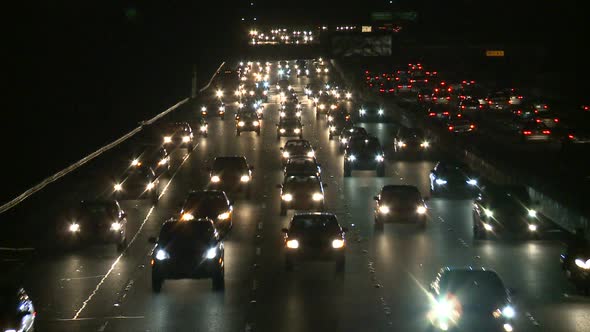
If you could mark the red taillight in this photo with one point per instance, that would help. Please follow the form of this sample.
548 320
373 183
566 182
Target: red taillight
586 108
436 90
556 120
570 136
464 82
448 98
519 112
527 132
399 86
412 81
472 126
519 97
366 71
390 90
442 83
546 132
480 106
426 81
371 84
545 106
434 98
427 73
538 121
445 113
389 78
431 114
462 107
368 78
410 86
489 102
451 128
381 90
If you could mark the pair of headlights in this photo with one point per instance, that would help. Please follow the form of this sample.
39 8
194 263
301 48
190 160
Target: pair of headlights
336 244
162 255
75 227
316 197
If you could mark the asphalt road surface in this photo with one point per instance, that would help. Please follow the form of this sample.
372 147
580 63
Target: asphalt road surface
384 286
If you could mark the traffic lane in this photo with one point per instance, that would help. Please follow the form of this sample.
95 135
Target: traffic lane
207 309
313 296
92 278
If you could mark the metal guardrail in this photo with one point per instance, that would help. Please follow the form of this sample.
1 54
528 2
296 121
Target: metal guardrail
31 191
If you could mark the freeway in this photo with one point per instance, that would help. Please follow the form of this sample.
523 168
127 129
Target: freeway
384 286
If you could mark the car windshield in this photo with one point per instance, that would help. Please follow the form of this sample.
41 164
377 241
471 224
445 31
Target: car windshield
290 122
170 128
413 132
303 182
401 195
205 200
186 233
315 224
248 116
366 145
508 197
371 105
230 164
297 145
474 288
97 210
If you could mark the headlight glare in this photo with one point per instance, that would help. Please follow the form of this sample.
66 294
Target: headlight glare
421 209
245 178
211 253
162 254
317 197
287 197
215 179
116 226
337 243
292 244
74 227
384 209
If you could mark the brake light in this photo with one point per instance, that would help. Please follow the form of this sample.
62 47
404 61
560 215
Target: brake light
391 90
556 120
451 128
480 106
366 71
434 98
519 97
368 78
381 90
425 80
586 108
464 82
545 106
546 132
489 102
431 114
436 90
519 112
570 136
448 98
410 86
462 107
527 132
472 126
389 78
419 96
412 81
538 121
459 115
427 73
445 113
442 83
399 86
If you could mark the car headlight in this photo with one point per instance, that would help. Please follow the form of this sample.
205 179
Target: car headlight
240 105
333 107
488 227
150 186
282 114
74 227
332 129
337 243
282 130
204 109
292 244
317 197
286 154
287 197
379 158
533 227
187 216
135 162
326 70
215 179
330 118
297 130
256 123
348 95
223 216
444 310
380 112
163 161
384 209
265 92
315 100
488 213
583 264
508 327
425 144
221 109
298 114
532 213
508 312
441 182
203 128
281 72
351 158
311 154
118 187
472 182
116 226
167 139
322 106
421 209
401 144
245 178
362 112
162 255
241 123
343 140
318 70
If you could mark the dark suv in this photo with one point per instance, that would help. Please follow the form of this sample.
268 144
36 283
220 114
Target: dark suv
188 250
364 153
231 174
212 204
302 192
400 204
137 183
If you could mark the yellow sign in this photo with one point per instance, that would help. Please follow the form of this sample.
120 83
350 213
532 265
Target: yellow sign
495 53
366 28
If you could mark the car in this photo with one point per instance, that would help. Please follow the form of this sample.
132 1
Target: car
315 236
154 156
400 204
448 177
296 148
470 299
247 121
215 109
212 204
301 193
231 174
504 99
17 312
504 209
290 111
302 71
534 131
387 87
460 124
439 112
283 85
469 105
203 127
364 153
441 95
289 127
325 102
138 182
339 121
577 138
403 85
371 111
411 140
178 134
187 250
302 166
549 119
347 133
424 95
95 221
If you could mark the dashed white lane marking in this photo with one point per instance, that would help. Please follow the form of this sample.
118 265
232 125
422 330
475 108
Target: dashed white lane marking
16 249
532 319
94 318
82 278
260 225
258 251
103 327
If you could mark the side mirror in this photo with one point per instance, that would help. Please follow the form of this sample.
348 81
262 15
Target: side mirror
344 229
280 186
284 230
152 240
